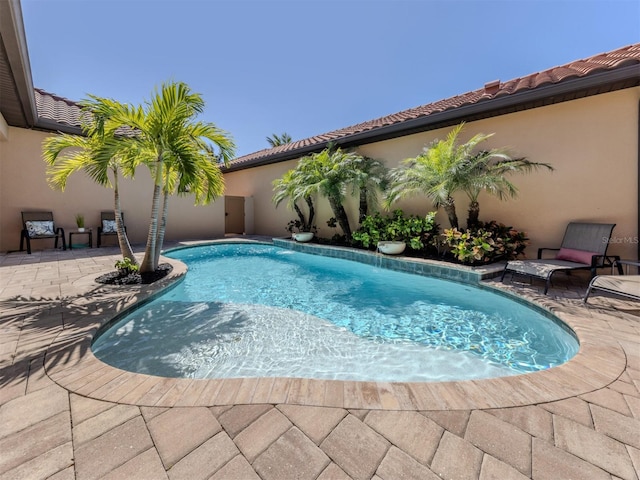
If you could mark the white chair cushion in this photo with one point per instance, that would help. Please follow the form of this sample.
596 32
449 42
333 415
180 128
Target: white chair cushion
40 228
108 226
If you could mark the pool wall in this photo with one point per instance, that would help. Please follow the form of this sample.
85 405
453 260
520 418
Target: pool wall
418 266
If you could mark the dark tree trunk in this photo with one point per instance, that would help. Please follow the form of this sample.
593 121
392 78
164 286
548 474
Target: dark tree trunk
364 206
473 214
341 216
300 215
312 211
450 208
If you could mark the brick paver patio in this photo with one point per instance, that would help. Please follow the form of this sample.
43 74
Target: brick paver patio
65 415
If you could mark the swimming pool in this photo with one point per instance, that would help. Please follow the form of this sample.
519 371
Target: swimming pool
254 310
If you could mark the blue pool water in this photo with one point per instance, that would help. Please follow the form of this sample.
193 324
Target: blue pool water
253 310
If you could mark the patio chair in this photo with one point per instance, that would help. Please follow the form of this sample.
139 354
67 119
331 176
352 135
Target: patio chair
38 226
584 247
107 225
624 285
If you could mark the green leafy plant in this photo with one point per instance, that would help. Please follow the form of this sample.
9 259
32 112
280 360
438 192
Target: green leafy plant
489 242
417 232
80 220
126 266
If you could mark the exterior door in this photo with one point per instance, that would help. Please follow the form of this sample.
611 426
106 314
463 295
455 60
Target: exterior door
233 214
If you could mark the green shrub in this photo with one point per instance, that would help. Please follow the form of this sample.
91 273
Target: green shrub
489 242
418 233
126 266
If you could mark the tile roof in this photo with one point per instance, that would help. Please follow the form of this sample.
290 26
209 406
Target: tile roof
55 109
626 56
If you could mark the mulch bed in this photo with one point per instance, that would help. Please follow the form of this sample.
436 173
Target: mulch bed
119 278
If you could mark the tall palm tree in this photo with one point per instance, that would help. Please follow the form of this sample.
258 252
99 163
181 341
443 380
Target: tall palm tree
289 187
173 144
276 140
438 172
328 173
98 153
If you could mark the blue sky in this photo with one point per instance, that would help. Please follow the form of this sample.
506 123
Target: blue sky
306 67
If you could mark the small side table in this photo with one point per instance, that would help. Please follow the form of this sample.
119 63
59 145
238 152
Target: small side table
76 232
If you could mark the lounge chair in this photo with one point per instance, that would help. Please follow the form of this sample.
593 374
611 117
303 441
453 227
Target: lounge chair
108 225
624 285
584 247
38 226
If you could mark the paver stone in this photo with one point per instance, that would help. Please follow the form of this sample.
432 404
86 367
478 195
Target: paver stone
503 440
205 460
594 447
397 464
456 459
413 433
315 422
178 431
292 456
552 462
355 447
146 466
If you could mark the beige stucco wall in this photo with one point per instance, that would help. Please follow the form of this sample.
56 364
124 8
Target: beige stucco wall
23 186
592 143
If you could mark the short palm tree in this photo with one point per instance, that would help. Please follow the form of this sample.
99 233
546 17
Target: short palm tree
99 152
445 167
370 177
276 140
486 171
288 187
329 173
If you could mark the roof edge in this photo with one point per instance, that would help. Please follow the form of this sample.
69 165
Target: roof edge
455 115
18 56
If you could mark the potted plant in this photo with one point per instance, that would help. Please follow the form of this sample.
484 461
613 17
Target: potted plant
304 233
80 222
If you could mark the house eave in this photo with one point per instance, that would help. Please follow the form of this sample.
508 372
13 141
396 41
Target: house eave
16 56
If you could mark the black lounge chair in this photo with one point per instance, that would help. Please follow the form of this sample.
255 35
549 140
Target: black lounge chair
584 247
108 225
624 285
38 226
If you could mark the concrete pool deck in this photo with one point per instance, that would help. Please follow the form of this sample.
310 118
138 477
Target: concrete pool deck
64 414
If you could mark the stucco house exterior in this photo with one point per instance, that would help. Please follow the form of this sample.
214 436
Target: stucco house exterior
583 118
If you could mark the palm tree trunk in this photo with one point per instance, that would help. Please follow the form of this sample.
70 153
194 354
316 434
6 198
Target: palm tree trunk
364 206
300 216
473 214
312 212
162 228
123 240
148 263
341 215
450 208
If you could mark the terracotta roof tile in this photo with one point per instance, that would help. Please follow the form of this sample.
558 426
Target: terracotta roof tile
57 109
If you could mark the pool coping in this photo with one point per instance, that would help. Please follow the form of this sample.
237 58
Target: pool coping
599 362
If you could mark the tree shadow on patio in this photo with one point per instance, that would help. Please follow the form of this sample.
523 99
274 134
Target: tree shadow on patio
30 325
62 329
